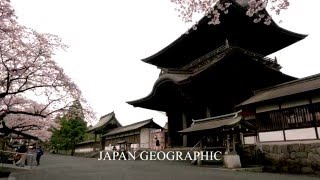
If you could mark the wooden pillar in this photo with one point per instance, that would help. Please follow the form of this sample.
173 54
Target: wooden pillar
228 145
95 141
201 145
102 143
234 143
257 127
208 112
169 131
314 118
257 138
241 138
282 125
184 126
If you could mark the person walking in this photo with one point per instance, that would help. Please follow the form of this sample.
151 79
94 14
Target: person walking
157 144
39 154
22 151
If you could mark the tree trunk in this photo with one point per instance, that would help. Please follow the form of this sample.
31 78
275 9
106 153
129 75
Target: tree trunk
73 148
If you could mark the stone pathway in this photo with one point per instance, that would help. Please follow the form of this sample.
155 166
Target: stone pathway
56 167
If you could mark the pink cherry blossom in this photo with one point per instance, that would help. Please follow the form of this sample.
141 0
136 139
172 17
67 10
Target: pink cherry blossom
33 87
188 8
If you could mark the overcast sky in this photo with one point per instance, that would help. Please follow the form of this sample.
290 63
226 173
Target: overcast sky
108 39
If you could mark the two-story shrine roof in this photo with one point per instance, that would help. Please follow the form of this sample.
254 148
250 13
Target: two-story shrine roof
238 28
217 76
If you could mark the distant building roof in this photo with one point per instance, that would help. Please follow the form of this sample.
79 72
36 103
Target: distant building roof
104 121
224 121
85 142
132 127
298 86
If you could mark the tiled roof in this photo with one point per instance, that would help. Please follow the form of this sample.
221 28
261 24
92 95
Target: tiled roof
298 86
131 127
104 120
224 121
86 142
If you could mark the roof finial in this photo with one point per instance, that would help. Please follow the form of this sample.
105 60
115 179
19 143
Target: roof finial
227 43
276 60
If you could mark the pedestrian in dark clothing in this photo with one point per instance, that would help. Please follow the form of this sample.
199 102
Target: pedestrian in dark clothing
157 144
39 154
22 153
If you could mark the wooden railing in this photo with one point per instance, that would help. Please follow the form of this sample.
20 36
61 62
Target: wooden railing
205 57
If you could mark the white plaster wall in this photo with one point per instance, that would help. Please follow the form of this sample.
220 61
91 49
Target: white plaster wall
83 150
299 134
144 138
250 140
152 142
160 136
293 134
271 136
293 142
108 148
135 146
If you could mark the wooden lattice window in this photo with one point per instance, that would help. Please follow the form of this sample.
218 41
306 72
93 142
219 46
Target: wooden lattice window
289 118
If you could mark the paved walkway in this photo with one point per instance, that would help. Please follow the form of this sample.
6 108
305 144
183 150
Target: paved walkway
56 167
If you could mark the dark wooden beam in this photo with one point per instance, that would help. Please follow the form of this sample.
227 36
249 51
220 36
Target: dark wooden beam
312 107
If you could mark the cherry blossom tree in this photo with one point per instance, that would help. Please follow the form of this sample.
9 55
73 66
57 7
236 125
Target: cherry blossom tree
29 123
33 87
214 8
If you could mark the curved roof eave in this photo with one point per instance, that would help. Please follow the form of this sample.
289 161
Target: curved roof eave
103 121
177 79
273 23
159 82
203 20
